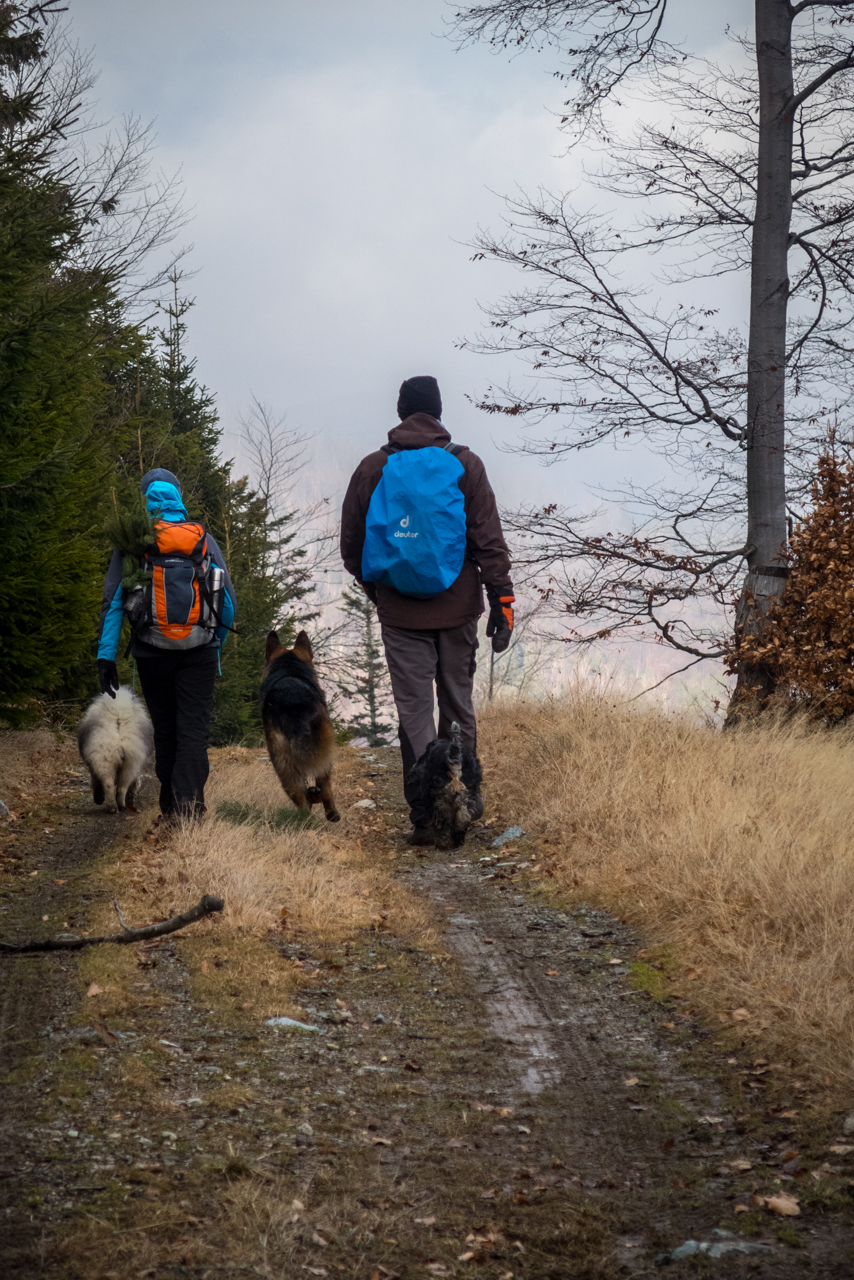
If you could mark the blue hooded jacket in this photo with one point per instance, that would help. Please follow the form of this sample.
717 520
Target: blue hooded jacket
162 494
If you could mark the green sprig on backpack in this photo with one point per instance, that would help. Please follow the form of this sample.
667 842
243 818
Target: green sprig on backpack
135 573
130 530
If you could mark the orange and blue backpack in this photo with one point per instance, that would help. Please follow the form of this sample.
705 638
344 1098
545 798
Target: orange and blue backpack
175 601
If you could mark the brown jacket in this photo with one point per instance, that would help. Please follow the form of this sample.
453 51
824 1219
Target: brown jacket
487 561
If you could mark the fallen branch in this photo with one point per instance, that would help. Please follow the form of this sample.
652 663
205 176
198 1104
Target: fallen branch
207 905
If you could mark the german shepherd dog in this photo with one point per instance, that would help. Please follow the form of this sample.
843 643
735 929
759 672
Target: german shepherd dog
448 778
115 740
299 733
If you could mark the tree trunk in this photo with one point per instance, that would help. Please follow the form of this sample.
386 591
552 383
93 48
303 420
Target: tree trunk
766 358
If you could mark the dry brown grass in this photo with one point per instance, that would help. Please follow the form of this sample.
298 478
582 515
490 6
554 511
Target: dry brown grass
733 851
329 886
316 883
338 1222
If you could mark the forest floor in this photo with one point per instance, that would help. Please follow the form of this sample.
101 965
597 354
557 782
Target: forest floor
505 1100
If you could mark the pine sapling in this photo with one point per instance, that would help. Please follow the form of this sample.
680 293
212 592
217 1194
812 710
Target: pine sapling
131 531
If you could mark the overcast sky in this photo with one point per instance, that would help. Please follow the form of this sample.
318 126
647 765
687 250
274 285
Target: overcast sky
337 158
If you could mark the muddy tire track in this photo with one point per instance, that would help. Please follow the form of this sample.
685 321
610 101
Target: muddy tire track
36 993
572 1041
590 1060
31 986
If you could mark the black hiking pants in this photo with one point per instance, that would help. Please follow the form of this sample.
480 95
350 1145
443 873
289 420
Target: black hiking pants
178 688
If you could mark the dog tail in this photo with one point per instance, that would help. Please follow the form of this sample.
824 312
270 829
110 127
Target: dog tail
455 755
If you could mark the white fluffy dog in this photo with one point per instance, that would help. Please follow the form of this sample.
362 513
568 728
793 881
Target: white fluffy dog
115 739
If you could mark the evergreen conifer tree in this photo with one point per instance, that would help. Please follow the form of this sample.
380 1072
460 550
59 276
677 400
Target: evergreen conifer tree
191 407
53 461
365 679
89 401
169 420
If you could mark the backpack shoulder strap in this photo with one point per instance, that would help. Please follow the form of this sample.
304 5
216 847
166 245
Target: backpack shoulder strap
455 449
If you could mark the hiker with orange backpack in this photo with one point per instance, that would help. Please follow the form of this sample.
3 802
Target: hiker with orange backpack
180 614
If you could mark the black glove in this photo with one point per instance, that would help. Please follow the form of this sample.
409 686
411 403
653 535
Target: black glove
500 624
108 676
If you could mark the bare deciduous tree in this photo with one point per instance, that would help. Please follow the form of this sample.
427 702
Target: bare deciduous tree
126 214
275 453
747 172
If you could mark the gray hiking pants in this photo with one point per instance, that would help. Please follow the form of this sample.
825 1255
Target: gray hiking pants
416 661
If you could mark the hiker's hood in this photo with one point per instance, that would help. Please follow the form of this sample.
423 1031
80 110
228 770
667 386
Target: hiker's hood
419 431
163 493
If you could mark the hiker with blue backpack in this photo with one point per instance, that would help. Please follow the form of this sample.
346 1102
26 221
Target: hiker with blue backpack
420 531
180 603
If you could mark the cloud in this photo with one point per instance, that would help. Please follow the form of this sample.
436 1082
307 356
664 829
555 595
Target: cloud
329 219
337 158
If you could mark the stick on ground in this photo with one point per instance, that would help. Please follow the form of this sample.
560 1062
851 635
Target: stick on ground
204 908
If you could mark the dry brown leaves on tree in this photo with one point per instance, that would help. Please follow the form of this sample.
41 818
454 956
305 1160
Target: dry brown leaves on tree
807 639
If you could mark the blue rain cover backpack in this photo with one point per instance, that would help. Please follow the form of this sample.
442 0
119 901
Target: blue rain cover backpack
415 531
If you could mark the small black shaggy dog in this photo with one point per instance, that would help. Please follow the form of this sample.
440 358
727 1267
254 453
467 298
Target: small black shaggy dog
448 778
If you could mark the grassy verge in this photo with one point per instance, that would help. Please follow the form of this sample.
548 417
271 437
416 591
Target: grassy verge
733 852
281 881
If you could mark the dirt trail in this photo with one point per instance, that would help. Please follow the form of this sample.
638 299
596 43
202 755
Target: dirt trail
573 1038
511 1109
46 849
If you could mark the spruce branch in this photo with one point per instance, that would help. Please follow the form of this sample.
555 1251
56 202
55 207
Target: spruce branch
130 528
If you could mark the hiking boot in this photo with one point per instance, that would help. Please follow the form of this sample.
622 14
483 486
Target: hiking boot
421 837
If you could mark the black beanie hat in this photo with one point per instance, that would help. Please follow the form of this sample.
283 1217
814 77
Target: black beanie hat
419 395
